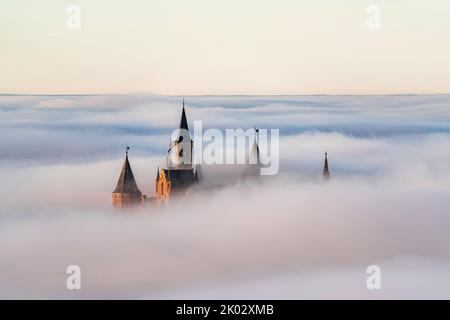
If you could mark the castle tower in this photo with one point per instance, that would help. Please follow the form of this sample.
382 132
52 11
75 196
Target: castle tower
326 172
179 175
180 154
126 194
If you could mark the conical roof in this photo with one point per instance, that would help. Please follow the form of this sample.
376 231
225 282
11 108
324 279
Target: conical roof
326 172
126 183
183 121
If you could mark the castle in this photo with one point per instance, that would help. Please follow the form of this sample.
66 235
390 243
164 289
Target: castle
171 182
178 175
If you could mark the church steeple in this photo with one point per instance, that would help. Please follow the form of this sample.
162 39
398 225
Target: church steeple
183 121
180 152
326 171
254 152
126 193
252 158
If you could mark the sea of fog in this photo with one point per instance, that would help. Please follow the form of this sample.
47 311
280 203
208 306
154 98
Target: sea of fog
286 236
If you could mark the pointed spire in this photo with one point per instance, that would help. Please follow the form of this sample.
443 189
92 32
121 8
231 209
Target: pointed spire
254 152
157 174
326 172
126 182
183 121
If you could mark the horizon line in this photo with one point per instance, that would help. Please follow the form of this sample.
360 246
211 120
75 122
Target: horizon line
223 95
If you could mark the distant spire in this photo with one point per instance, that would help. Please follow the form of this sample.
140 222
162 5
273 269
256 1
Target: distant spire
255 149
183 121
157 174
326 172
252 158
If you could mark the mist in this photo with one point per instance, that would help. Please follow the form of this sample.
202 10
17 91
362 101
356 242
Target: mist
287 236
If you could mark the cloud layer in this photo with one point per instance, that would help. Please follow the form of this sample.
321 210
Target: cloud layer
287 236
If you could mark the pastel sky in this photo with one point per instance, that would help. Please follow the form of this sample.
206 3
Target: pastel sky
225 47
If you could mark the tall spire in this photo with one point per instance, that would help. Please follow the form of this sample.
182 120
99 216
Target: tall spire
183 121
180 152
252 160
326 172
126 182
254 152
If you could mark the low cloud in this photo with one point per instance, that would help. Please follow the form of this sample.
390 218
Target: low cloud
286 236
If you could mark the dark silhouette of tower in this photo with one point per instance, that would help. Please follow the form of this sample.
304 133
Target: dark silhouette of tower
326 171
126 194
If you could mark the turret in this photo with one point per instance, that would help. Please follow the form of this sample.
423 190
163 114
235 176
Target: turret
126 194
